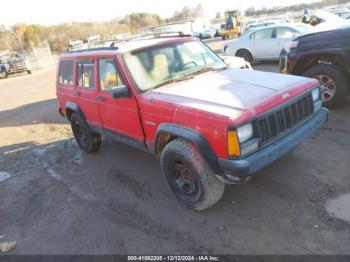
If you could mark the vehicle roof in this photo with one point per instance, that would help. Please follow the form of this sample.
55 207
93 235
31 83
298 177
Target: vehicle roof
274 26
129 46
325 28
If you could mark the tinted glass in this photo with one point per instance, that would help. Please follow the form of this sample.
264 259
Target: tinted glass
152 67
262 34
65 74
284 32
108 73
85 73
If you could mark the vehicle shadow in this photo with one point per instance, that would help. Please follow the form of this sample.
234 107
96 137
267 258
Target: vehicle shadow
118 195
38 112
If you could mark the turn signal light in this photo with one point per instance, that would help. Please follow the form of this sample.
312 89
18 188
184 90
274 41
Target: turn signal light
233 144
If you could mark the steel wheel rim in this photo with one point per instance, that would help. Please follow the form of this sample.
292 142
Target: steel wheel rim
328 87
183 179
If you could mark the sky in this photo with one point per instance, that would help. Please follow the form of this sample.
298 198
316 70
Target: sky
50 12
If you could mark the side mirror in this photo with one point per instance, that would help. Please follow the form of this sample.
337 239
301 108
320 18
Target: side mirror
120 92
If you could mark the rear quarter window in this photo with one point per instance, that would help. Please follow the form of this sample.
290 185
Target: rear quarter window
65 73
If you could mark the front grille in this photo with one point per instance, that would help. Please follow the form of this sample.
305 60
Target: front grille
278 122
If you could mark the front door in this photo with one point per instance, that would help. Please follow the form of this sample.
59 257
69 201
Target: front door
119 116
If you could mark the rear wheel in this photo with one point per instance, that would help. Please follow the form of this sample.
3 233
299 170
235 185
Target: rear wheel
189 176
87 140
334 85
29 72
246 55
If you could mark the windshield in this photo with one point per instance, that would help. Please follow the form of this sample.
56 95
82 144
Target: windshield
153 67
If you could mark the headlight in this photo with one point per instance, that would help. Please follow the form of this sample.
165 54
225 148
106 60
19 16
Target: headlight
245 132
315 94
317 99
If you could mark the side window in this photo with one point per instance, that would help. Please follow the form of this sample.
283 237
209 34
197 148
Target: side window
108 74
262 34
65 73
85 70
284 32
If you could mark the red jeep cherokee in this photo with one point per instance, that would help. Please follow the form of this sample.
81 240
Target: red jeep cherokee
175 98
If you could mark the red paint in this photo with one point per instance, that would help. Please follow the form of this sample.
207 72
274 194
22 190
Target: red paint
209 103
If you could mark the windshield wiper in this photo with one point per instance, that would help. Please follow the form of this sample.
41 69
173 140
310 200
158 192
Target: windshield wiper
206 69
170 81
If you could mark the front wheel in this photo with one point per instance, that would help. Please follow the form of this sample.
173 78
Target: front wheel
334 85
29 72
189 176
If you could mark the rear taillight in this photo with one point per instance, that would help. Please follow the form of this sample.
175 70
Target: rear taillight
291 45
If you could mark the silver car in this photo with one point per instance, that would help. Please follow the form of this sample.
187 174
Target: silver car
263 43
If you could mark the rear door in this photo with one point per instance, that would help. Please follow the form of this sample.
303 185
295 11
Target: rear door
119 116
282 36
86 90
261 43
65 82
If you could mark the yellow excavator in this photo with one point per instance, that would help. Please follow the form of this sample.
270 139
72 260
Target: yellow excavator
232 26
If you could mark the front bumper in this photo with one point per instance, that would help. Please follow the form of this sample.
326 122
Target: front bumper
243 168
17 70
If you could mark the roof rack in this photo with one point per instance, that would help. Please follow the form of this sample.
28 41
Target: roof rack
113 44
164 34
154 35
108 48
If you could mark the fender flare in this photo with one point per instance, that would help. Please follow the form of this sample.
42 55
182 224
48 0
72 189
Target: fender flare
324 52
76 109
194 137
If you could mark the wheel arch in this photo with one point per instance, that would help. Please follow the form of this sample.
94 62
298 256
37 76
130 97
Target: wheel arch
244 49
71 108
168 132
312 59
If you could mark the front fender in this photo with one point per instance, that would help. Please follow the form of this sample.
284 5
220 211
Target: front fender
75 109
195 138
307 56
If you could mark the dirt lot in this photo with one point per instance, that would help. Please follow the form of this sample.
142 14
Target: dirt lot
61 201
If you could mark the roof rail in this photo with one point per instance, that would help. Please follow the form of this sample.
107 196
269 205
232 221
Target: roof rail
154 35
164 34
113 44
109 48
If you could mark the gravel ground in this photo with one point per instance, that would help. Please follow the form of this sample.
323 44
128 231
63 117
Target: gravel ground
57 200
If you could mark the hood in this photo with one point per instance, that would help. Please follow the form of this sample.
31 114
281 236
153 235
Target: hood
232 92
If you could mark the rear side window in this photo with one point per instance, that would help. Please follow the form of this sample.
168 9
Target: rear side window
85 69
262 34
284 32
65 73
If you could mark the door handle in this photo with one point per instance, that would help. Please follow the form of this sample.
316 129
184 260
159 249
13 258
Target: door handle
100 98
76 93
